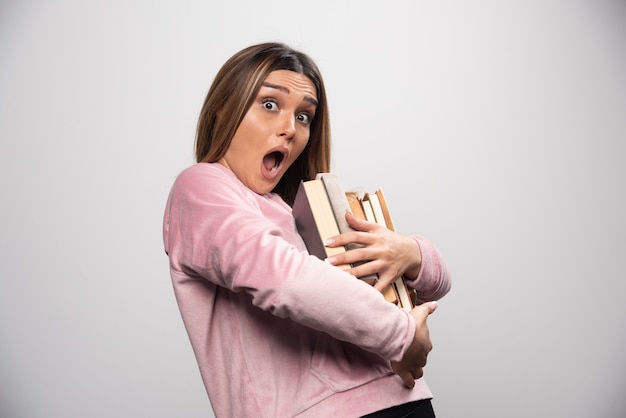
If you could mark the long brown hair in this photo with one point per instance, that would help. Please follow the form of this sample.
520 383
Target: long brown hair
233 92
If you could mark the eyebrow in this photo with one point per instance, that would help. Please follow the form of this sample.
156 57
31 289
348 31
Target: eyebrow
286 90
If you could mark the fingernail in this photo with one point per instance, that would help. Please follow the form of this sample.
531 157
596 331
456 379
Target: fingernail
329 241
331 260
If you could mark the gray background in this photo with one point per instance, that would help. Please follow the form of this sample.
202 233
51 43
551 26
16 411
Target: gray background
496 128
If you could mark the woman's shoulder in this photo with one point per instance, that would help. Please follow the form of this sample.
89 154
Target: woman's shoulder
210 182
213 181
201 174
214 170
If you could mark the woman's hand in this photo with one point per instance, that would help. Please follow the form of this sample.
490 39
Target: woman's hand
412 364
382 251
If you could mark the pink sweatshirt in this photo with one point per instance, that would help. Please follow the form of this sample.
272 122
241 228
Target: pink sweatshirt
277 332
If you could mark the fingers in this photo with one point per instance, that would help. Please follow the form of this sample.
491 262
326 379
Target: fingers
409 377
359 224
384 280
354 237
417 373
411 367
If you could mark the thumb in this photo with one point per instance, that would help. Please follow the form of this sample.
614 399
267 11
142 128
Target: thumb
430 306
421 312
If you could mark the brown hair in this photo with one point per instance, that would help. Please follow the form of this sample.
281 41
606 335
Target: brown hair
233 92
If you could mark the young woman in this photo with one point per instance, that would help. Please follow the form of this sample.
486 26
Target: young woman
276 331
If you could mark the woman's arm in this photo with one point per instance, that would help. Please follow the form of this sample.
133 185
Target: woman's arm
216 231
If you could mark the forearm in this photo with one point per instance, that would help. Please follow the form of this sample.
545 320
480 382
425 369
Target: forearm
433 280
329 300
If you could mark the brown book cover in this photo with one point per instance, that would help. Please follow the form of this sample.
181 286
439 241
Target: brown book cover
385 209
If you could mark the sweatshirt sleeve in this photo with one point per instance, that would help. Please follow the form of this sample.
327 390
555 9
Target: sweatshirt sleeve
214 231
433 281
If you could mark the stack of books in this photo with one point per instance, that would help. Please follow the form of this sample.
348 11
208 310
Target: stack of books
320 212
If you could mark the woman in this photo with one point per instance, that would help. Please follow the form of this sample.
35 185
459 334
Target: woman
277 332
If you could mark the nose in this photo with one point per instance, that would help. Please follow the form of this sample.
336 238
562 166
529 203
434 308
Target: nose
287 126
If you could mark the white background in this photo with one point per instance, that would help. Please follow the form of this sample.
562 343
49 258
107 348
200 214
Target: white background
496 128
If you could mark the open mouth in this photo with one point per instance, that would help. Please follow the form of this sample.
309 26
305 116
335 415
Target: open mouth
272 161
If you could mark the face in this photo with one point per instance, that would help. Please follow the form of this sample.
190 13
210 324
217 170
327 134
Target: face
273 132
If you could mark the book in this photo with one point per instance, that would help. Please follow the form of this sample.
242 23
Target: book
363 210
340 205
381 216
319 210
315 219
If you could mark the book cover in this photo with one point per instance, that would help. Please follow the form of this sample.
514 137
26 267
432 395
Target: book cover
315 219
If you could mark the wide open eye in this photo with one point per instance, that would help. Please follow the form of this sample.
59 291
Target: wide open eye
270 104
304 118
